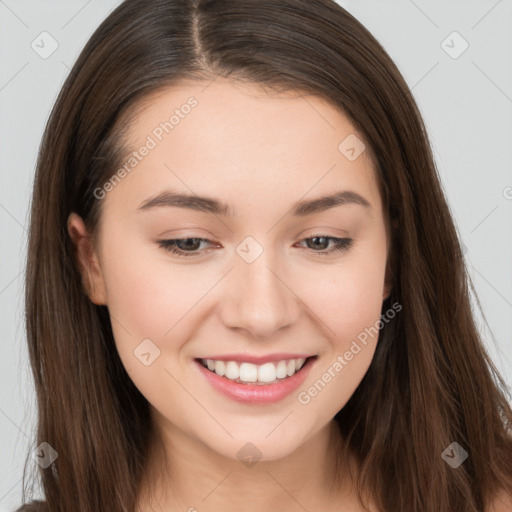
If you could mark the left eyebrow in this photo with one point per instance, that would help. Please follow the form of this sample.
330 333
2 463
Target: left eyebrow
303 208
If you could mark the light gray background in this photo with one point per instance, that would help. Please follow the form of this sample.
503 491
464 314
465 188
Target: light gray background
466 103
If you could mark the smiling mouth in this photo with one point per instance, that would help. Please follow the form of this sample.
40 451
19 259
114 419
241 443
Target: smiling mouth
248 373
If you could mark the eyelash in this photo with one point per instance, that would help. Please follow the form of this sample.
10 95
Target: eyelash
340 244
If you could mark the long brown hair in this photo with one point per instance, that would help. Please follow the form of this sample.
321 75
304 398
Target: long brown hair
431 381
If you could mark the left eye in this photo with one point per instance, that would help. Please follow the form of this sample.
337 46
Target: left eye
188 247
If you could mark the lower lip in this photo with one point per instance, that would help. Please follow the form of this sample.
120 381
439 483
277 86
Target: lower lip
254 393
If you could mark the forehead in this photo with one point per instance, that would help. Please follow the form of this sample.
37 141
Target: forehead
226 138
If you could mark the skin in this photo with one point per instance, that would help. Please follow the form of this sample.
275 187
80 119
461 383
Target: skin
260 152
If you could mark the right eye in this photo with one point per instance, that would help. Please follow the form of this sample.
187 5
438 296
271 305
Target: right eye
175 245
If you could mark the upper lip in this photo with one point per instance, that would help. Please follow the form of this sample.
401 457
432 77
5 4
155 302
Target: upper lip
258 360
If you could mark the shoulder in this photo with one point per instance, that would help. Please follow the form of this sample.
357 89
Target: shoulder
502 503
33 506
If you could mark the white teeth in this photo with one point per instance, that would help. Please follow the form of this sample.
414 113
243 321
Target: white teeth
248 372
281 370
232 370
267 372
220 367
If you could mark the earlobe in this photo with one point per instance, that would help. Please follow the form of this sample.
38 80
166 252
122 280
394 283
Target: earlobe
87 260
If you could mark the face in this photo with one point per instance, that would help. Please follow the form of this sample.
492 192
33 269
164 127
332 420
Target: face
274 276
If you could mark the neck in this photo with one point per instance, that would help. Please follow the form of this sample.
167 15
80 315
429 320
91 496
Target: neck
184 473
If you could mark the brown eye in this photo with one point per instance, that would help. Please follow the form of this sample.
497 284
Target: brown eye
321 242
182 246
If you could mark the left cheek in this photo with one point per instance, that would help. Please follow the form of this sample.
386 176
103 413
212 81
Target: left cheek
347 300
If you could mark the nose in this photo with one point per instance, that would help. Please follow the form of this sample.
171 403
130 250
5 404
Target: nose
258 299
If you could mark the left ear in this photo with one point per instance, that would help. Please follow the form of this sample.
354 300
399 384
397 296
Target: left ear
388 281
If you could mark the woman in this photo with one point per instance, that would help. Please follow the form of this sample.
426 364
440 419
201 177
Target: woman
314 347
